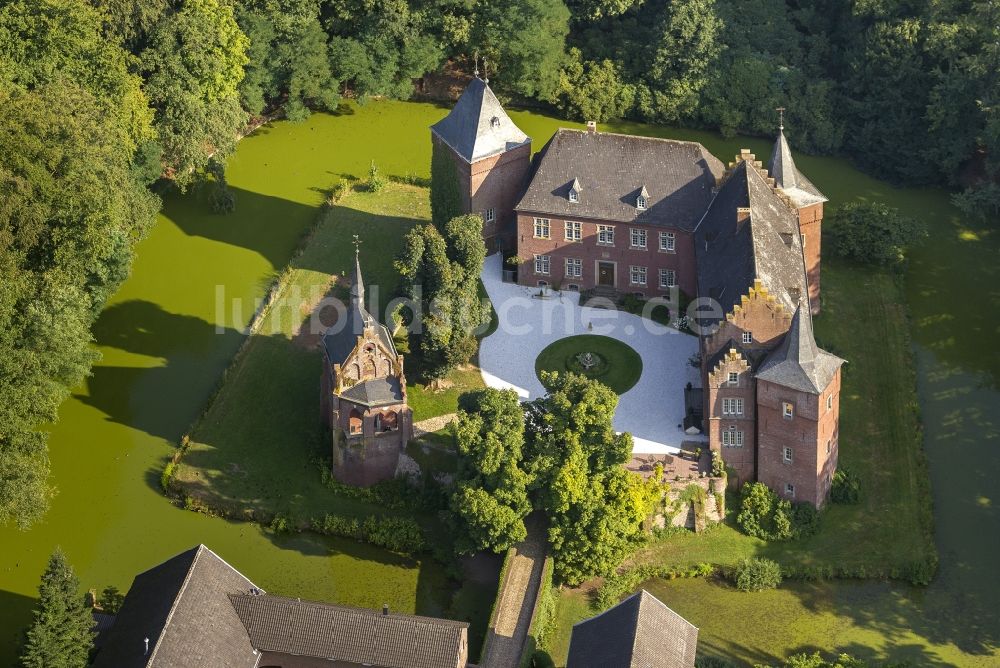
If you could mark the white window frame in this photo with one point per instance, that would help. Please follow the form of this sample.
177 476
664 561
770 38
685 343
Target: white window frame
732 437
640 203
668 279
573 231
732 381
637 275
543 228
732 406
543 265
490 215
747 337
789 490
788 410
574 267
637 237
786 454
606 235
574 196
668 242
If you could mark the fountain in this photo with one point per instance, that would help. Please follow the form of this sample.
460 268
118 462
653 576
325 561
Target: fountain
587 360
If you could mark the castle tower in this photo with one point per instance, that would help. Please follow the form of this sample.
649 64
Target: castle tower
363 393
798 412
479 151
808 202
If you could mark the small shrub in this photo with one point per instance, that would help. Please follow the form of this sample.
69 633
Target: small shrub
167 476
398 534
281 524
846 487
805 520
757 574
718 466
111 600
763 515
376 182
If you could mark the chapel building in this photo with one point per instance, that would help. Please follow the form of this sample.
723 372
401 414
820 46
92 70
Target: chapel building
363 394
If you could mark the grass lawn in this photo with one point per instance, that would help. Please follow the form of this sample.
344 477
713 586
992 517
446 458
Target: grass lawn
879 440
615 363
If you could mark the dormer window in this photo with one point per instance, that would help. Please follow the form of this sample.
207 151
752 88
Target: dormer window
574 191
642 199
494 122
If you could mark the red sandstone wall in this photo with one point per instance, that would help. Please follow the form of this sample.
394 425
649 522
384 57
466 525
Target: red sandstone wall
741 459
810 226
682 260
807 434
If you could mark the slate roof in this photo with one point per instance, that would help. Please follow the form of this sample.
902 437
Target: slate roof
355 635
798 362
477 126
787 176
183 607
613 170
768 246
340 339
375 392
639 632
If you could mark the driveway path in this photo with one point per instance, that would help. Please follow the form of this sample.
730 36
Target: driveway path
505 641
652 410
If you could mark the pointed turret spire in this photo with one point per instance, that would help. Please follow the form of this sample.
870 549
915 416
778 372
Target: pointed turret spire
477 126
786 175
357 282
798 362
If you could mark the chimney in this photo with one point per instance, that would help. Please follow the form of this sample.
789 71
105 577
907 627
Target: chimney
591 126
385 609
742 215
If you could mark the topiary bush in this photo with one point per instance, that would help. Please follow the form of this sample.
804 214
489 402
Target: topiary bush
375 182
757 574
846 487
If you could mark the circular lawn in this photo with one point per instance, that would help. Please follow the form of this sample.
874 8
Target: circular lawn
599 357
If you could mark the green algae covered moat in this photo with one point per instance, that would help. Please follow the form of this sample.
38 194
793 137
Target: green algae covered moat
164 347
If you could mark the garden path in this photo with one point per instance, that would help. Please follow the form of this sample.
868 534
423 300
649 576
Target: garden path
652 410
432 424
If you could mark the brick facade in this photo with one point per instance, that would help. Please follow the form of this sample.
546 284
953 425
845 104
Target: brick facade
618 257
739 422
810 436
811 228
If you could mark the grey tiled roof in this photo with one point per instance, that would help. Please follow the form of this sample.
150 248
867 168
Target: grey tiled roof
353 635
340 339
787 176
639 632
182 606
798 362
375 392
613 169
477 126
768 246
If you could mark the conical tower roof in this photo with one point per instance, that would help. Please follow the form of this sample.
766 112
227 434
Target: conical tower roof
798 362
788 178
477 126
340 339
357 282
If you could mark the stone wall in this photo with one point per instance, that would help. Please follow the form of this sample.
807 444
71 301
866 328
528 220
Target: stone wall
811 227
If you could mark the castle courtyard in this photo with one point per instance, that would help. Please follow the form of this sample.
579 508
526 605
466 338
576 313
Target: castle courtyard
652 410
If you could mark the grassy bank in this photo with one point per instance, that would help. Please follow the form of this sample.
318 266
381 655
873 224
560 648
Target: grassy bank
890 531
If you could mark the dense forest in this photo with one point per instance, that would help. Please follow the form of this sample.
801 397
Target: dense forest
103 102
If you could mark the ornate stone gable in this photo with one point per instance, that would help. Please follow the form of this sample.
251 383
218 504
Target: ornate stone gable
759 313
370 359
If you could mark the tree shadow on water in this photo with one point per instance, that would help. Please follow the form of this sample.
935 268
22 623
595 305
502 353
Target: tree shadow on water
160 400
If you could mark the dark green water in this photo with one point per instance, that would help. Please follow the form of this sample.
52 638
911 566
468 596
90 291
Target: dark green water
162 357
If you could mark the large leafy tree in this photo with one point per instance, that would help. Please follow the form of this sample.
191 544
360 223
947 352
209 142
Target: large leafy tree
61 635
443 273
288 57
491 498
193 67
595 507
524 44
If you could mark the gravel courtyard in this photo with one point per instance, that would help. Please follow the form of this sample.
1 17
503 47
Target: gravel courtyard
652 410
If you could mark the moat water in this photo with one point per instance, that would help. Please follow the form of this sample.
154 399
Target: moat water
162 357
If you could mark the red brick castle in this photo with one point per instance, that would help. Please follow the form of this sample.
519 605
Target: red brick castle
649 217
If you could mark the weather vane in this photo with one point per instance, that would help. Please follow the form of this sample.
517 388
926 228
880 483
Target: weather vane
781 117
475 59
357 244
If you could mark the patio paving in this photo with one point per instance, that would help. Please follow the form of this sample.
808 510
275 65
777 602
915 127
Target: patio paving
653 410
